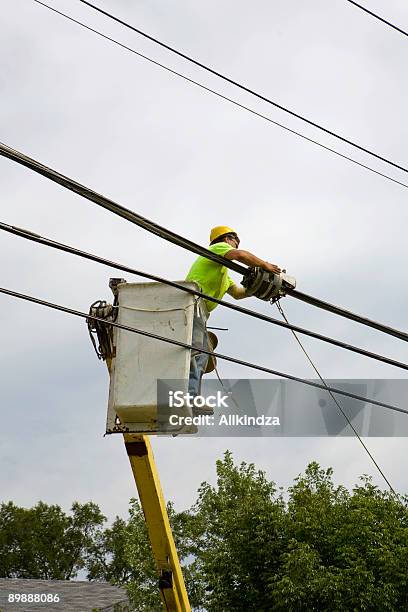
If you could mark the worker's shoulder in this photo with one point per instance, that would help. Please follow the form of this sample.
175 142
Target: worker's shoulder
220 248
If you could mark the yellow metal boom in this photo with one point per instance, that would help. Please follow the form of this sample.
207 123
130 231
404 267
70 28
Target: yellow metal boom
171 581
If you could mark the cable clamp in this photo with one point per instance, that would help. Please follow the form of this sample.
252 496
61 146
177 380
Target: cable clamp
267 285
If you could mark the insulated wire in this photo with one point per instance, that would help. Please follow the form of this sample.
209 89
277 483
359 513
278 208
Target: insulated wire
174 238
185 345
279 307
347 314
115 208
28 235
240 85
363 8
222 96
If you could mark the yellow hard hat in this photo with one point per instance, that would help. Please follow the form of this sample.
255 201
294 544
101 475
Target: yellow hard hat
220 230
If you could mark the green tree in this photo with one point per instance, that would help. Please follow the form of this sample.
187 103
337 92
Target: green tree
237 530
347 551
244 546
122 555
106 559
43 542
143 589
325 548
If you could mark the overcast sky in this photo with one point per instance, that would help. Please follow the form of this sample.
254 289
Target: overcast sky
189 161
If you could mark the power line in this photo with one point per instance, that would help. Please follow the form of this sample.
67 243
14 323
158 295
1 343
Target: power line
342 411
347 314
115 208
363 8
185 345
222 96
28 235
241 86
174 238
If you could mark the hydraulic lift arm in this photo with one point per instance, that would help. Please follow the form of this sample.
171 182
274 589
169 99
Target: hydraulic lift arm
171 582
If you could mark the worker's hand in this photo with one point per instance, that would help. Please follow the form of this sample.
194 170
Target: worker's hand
272 268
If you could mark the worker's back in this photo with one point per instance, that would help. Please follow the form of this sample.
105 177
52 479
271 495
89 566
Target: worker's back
211 277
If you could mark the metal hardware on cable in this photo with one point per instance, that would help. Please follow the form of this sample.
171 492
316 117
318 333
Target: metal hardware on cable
266 285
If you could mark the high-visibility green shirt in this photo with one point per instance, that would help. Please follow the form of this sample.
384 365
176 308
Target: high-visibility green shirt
211 277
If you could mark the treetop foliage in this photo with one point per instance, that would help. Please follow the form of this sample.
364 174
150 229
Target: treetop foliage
244 545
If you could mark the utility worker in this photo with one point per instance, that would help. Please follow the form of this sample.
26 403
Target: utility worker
213 279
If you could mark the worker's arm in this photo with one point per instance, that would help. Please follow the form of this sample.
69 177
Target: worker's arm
251 260
237 292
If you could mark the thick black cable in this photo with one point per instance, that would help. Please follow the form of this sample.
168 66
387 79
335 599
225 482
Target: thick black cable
241 86
174 238
185 345
28 235
339 406
115 208
223 97
363 8
347 314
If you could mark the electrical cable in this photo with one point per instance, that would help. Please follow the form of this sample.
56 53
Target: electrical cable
240 85
115 208
342 411
223 97
28 235
347 314
363 8
185 345
174 238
